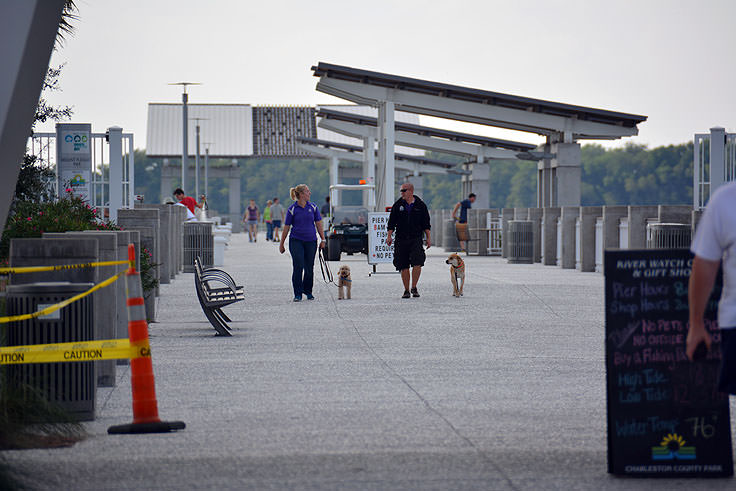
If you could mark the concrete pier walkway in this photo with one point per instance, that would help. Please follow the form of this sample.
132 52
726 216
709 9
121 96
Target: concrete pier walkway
502 389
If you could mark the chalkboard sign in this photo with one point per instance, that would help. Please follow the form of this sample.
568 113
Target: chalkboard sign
665 415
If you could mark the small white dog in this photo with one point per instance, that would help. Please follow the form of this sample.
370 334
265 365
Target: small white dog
344 281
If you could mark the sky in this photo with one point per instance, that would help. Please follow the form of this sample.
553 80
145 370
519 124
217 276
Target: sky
669 60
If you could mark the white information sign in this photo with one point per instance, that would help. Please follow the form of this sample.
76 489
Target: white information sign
378 251
74 159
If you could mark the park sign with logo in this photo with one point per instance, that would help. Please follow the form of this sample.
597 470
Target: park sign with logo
74 158
666 417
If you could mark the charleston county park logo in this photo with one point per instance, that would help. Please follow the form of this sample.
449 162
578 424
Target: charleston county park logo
673 447
79 141
77 181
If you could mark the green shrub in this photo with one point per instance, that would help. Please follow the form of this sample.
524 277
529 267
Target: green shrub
69 213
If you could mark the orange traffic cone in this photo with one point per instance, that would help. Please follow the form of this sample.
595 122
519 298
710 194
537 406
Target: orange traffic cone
145 407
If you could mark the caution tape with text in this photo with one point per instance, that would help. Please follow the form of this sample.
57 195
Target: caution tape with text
57 306
62 267
108 349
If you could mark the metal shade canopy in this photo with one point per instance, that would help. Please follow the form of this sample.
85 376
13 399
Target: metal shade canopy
474 105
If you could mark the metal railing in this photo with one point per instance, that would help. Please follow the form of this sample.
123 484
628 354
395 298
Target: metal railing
43 146
714 163
495 235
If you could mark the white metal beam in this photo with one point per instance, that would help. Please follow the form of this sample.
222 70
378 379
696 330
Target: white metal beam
329 153
490 115
386 192
418 141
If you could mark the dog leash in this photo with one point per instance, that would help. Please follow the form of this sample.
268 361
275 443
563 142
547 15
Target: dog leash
324 268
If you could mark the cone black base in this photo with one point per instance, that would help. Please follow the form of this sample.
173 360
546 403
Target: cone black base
157 427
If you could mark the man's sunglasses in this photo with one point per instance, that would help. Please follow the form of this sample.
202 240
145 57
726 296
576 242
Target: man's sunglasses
403 190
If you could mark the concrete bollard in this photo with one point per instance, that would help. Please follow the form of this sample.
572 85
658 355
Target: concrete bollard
507 214
611 216
696 216
137 219
105 301
550 215
146 241
449 236
568 215
180 216
125 237
219 250
587 217
483 230
638 216
535 216
48 252
674 213
166 247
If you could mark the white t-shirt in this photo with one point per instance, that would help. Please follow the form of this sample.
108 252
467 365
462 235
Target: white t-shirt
714 240
191 217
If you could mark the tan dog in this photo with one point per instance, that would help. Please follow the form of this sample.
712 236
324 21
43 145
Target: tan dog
457 274
344 281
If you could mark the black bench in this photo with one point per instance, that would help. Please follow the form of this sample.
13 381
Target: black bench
213 299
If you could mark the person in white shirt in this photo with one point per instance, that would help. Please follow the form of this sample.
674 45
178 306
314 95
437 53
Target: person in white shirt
715 243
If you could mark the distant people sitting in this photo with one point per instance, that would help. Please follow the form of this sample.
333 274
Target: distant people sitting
189 203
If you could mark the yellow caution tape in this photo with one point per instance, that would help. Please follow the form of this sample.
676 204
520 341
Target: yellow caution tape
37 269
108 349
62 304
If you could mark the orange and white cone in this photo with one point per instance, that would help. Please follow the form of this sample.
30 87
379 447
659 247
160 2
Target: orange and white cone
145 407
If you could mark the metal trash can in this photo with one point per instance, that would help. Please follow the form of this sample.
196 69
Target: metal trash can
449 236
69 385
521 242
668 236
198 241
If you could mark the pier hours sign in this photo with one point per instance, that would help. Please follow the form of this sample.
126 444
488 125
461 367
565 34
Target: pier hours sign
666 417
378 251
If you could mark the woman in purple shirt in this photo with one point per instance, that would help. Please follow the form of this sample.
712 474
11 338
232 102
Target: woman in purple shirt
304 222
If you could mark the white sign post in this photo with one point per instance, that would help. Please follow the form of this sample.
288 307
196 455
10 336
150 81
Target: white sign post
378 251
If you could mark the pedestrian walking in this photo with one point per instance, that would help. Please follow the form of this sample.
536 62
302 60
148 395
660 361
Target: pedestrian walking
267 220
409 217
251 221
303 223
715 243
277 217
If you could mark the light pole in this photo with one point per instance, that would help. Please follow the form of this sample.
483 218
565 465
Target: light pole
185 132
196 159
206 163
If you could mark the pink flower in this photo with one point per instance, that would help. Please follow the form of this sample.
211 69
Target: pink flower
68 190
29 219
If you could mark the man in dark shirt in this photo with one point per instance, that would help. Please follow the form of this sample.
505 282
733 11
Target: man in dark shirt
410 219
325 210
464 206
